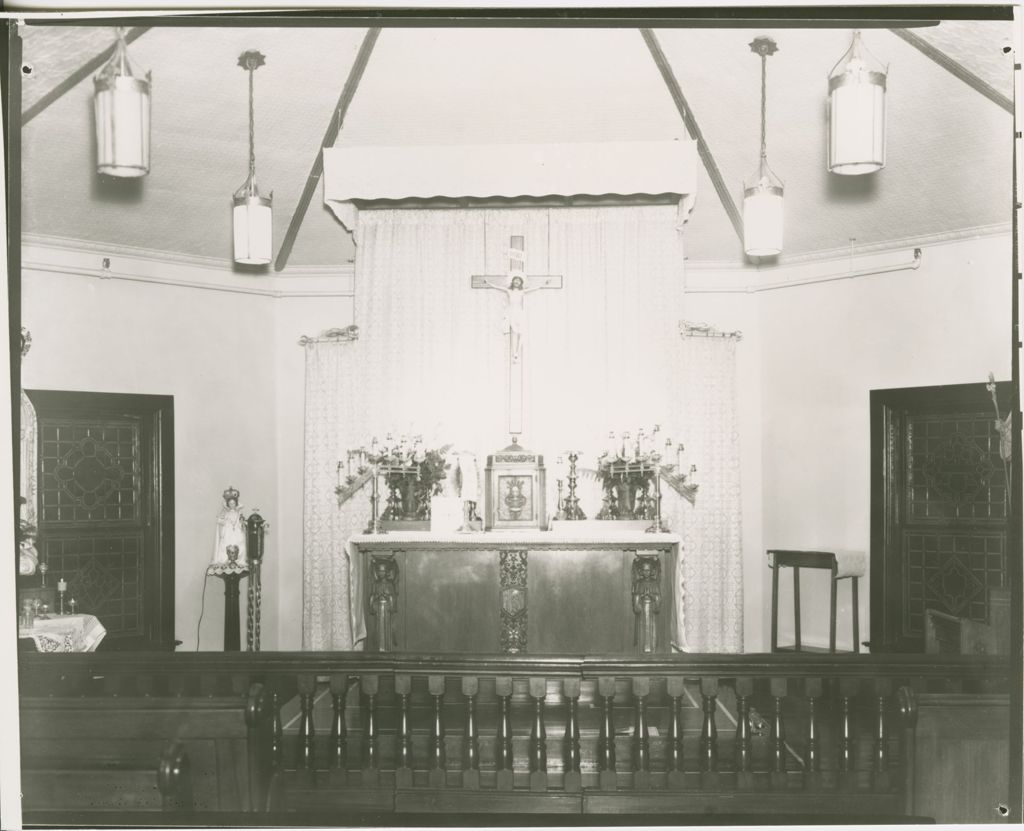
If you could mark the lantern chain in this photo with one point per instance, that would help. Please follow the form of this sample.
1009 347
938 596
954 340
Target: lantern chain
764 104
252 124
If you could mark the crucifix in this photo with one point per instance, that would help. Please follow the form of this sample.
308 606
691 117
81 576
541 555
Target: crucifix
516 286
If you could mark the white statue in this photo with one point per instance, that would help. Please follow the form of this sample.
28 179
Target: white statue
230 530
514 321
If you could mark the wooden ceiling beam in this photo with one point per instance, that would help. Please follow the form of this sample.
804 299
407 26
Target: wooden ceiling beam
79 75
355 75
693 128
955 68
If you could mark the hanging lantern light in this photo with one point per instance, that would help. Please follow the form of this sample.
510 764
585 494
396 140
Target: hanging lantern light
762 193
121 105
252 215
856 124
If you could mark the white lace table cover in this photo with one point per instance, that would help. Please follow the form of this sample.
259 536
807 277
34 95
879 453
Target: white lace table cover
482 540
848 563
65 633
216 569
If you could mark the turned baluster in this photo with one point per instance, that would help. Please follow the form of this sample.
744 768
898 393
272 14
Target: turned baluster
743 750
848 688
607 778
779 689
503 750
538 737
674 751
403 763
276 731
881 780
709 734
641 738
337 751
907 702
307 689
435 683
812 754
371 772
471 769
572 781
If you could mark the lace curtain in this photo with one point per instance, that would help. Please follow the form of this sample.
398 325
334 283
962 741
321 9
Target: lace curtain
602 353
709 601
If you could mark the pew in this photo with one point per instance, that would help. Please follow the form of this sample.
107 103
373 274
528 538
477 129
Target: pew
105 749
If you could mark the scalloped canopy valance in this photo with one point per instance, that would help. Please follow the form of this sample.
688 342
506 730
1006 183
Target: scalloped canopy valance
508 171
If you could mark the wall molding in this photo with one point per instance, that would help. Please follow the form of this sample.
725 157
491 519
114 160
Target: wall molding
722 279
80 258
838 254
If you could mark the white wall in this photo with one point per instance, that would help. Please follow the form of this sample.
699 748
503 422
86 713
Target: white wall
824 348
214 352
808 359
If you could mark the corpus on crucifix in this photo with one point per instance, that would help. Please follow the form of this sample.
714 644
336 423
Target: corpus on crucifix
516 285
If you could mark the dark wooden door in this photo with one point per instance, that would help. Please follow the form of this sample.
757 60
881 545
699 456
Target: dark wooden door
106 516
939 508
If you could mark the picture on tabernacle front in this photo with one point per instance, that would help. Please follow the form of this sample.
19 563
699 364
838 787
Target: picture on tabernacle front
515 500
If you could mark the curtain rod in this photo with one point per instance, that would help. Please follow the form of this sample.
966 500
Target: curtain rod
346 335
689 329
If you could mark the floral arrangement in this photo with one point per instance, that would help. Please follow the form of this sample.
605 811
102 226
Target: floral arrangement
411 474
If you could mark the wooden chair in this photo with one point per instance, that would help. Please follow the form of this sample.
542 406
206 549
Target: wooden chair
782 558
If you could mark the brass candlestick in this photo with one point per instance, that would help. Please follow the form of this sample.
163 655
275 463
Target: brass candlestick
571 509
375 527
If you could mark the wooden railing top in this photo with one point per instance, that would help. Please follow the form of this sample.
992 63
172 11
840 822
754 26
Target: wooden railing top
789 665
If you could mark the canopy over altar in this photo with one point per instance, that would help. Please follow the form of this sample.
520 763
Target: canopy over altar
623 168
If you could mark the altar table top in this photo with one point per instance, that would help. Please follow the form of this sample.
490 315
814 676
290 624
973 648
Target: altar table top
586 538
65 633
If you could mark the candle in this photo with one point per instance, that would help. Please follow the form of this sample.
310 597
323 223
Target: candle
62 585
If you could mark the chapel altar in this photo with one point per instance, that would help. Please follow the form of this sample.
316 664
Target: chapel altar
513 592
600 348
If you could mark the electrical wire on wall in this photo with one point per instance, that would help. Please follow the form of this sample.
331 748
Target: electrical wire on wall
202 607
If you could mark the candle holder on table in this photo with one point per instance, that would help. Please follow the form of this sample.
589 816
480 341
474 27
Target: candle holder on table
571 508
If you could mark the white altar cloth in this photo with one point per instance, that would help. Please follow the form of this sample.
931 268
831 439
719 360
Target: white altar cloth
613 538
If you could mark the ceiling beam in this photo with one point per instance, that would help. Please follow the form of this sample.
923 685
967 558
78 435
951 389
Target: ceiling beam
954 67
355 75
693 128
79 75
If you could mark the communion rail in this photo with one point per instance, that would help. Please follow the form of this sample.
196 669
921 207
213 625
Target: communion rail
363 735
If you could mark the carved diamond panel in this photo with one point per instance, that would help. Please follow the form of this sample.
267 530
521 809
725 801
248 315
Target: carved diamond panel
88 472
950 572
954 470
105 576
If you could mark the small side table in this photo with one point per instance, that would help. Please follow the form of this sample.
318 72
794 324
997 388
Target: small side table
231 574
851 568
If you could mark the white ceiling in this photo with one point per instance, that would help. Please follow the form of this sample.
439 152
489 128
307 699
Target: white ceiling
949 148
